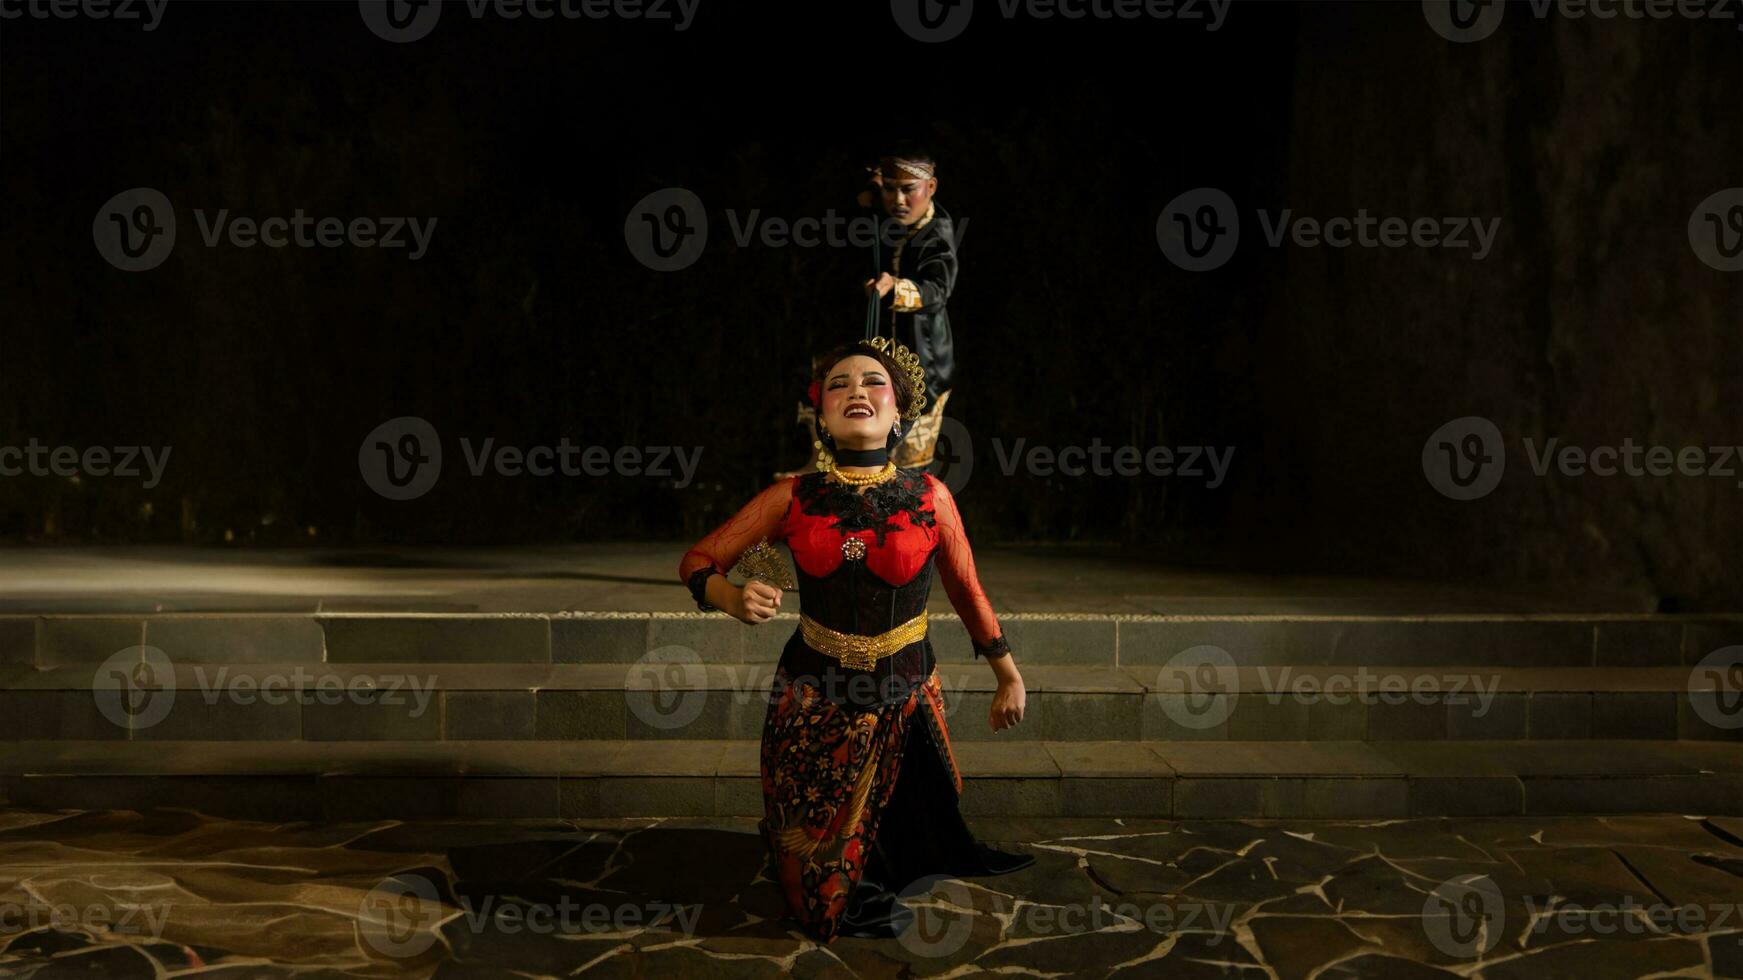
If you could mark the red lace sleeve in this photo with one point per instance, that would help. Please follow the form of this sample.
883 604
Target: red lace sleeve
961 583
719 551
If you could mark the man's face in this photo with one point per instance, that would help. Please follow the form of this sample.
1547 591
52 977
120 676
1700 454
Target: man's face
906 196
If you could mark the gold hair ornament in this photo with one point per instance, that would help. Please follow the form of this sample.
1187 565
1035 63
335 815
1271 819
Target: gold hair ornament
909 362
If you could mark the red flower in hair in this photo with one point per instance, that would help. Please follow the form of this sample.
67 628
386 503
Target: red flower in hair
815 393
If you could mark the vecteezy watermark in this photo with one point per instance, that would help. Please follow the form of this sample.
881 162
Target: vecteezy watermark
148 13
830 231
401 459
1465 21
404 21
1195 685
954 455
71 462
136 229
943 916
668 688
1103 459
306 232
1463 916
1199 229
1716 229
1199 688
120 918
403 915
1630 917
944 908
1465 458
933 21
136 687
1716 688
667 230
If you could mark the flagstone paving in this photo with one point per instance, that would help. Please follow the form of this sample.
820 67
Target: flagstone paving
124 894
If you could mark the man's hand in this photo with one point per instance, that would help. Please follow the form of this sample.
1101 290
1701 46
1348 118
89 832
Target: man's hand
883 284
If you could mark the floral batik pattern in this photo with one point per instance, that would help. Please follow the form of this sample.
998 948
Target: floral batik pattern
827 775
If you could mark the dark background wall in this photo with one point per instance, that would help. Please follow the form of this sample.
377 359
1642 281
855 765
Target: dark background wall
528 320
1592 142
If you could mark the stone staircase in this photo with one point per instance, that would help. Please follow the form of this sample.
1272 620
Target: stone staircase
349 715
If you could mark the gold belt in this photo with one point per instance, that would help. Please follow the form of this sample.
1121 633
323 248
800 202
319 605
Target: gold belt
856 651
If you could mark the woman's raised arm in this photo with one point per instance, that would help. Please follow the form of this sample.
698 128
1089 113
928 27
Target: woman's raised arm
719 550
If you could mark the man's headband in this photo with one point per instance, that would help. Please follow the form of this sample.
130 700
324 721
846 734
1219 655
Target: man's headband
897 167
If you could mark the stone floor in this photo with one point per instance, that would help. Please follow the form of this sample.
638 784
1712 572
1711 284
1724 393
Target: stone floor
643 577
120 894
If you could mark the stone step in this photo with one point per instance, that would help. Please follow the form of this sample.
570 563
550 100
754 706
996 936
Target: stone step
593 778
1552 640
686 699
710 701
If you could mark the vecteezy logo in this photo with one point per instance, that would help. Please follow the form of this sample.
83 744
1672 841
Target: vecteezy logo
1208 678
1463 21
1465 458
667 230
1716 230
666 688
135 230
1463 916
943 916
401 458
135 687
399 916
400 21
1716 688
1199 229
954 453
932 21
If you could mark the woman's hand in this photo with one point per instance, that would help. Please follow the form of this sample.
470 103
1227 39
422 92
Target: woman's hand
881 285
1008 702
757 602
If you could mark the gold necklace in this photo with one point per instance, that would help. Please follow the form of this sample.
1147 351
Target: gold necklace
865 479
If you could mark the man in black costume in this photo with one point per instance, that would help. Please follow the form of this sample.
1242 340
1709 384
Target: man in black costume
917 274
915 255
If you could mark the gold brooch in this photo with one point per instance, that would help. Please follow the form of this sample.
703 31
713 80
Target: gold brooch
853 549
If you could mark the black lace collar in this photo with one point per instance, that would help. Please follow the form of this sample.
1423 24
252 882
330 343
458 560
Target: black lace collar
872 510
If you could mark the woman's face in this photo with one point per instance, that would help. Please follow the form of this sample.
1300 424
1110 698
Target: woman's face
859 403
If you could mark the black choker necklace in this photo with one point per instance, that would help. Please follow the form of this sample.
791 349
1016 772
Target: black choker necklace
861 457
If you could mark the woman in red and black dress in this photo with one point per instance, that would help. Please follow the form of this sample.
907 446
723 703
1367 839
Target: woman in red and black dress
860 786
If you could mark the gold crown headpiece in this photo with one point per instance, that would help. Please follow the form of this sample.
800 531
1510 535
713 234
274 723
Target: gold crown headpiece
909 362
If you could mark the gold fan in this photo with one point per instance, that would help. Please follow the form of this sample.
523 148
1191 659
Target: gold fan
763 561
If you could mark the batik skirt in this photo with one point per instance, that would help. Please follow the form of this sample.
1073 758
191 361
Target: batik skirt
858 805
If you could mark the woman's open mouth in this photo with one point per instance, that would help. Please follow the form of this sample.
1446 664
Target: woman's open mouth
858 412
